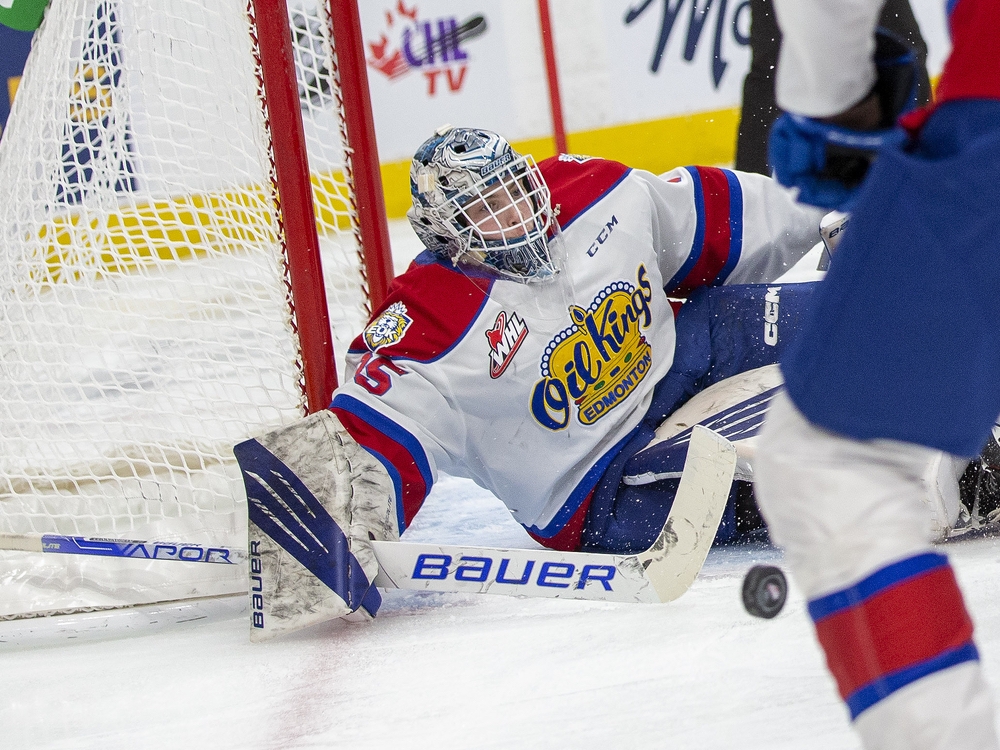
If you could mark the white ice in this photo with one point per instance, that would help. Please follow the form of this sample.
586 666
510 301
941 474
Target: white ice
449 671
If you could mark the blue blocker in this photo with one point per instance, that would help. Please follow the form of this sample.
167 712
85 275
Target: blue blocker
721 332
903 341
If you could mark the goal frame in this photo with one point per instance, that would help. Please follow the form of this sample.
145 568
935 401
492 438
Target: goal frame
261 212
279 93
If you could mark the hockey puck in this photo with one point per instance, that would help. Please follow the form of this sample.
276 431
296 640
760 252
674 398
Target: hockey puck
764 591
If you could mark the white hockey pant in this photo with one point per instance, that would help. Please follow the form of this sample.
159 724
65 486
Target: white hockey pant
853 515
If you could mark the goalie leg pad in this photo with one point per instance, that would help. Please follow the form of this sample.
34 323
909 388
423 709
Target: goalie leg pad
315 500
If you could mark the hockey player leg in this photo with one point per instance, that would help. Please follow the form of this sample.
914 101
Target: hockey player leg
316 499
853 519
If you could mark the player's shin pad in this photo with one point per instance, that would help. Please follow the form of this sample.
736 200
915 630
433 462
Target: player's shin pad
315 500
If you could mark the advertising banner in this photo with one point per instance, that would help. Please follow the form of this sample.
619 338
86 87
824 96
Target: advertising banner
433 62
14 47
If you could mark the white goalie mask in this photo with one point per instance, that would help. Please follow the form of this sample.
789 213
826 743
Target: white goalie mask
477 202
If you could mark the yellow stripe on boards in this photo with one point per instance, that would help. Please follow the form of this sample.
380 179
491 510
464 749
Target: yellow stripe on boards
77 244
707 138
658 146
82 244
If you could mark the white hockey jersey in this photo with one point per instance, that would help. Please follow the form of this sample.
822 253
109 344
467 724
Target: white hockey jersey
531 389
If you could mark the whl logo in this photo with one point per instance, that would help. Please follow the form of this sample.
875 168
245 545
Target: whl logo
505 339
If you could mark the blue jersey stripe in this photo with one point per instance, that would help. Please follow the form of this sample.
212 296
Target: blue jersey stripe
735 227
391 430
596 200
867 696
698 244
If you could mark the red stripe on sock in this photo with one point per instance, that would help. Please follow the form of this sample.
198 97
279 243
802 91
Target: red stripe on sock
899 627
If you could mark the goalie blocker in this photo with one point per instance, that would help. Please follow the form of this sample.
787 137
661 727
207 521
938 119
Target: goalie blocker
322 534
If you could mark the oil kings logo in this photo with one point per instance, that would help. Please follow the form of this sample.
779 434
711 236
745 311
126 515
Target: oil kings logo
599 360
388 328
505 339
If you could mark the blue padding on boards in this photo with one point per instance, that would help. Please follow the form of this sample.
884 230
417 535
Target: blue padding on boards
284 509
904 339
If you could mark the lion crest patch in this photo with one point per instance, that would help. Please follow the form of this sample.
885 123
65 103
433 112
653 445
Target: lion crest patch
388 328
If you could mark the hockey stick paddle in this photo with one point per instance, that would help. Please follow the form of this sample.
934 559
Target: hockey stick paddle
660 574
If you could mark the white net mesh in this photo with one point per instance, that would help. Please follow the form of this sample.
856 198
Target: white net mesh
144 320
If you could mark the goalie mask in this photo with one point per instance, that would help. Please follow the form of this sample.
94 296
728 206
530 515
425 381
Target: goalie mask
478 202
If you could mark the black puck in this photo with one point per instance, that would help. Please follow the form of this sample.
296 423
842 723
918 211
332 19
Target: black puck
764 591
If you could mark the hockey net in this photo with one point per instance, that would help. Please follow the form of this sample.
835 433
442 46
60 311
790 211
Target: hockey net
146 316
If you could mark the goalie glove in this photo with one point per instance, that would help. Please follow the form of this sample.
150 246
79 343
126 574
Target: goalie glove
826 162
315 501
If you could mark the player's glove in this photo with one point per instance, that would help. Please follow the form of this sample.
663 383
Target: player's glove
826 162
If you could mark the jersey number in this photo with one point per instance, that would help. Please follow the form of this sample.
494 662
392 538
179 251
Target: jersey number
372 375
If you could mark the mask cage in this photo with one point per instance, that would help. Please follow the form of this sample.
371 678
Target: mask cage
502 221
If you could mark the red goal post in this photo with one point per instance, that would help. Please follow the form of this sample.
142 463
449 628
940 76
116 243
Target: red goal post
191 230
292 176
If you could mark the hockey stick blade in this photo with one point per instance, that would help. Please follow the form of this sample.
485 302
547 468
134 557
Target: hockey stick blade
128 548
660 574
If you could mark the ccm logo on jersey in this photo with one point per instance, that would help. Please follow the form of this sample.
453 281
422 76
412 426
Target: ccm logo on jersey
555 575
771 316
603 236
505 339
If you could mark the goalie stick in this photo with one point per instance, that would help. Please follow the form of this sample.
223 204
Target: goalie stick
659 574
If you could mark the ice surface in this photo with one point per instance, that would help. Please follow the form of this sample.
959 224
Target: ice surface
449 671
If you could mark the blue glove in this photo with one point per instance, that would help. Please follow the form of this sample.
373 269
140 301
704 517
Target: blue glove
827 163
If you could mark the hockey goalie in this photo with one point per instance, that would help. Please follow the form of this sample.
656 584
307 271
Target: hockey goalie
542 346
567 324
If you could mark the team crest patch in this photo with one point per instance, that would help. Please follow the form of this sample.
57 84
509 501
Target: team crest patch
505 339
598 361
388 328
